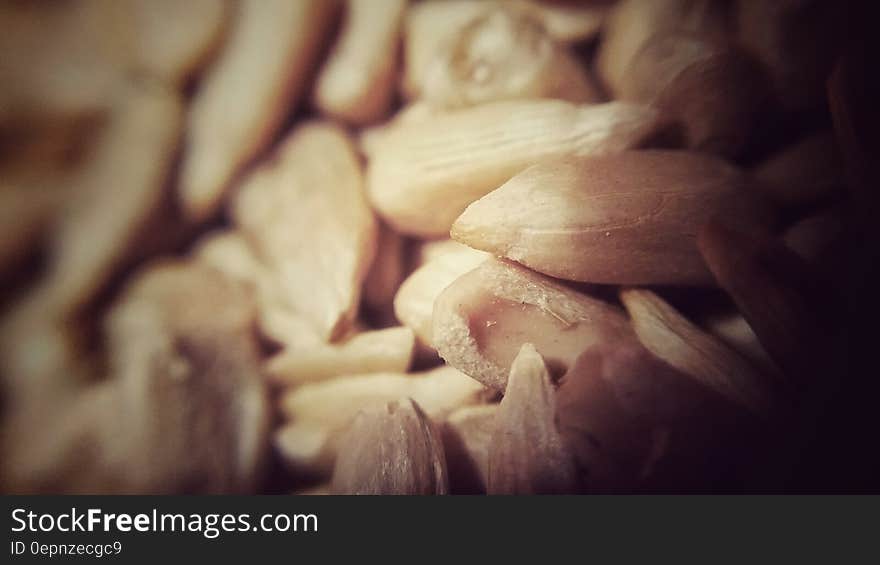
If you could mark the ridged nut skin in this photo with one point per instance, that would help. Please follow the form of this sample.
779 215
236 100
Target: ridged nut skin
629 218
483 318
395 450
422 174
527 454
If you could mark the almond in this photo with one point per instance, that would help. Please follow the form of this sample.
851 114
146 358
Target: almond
305 212
504 54
246 94
482 319
422 175
526 453
388 350
357 81
393 450
672 338
629 218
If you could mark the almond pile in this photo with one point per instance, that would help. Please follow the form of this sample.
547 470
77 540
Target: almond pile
412 247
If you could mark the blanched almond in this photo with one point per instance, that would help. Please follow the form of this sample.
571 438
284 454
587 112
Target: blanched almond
254 83
422 175
632 22
504 54
414 302
629 218
713 89
467 434
673 339
393 450
526 453
306 449
357 82
305 212
377 351
482 319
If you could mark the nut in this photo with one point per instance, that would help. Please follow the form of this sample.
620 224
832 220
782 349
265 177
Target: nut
357 81
467 434
421 175
393 450
482 319
629 218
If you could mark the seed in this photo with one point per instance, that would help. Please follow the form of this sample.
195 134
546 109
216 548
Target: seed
673 339
527 454
504 54
414 302
357 81
629 218
467 434
388 350
422 175
482 319
305 212
393 450
246 94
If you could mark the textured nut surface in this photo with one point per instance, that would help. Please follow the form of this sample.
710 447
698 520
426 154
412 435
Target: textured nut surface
241 102
527 454
421 175
393 450
629 218
482 319
306 212
356 83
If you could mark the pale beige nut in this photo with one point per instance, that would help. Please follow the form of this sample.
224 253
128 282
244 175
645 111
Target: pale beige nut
804 173
629 218
61 60
247 92
483 318
229 252
378 351
797 41
172 40
414 302
369 137
674 339
194 410
430 26
305 212
527 454
320 412
713 89
422 175
357 83
467 434
116 208
632 22
504 54
393 450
